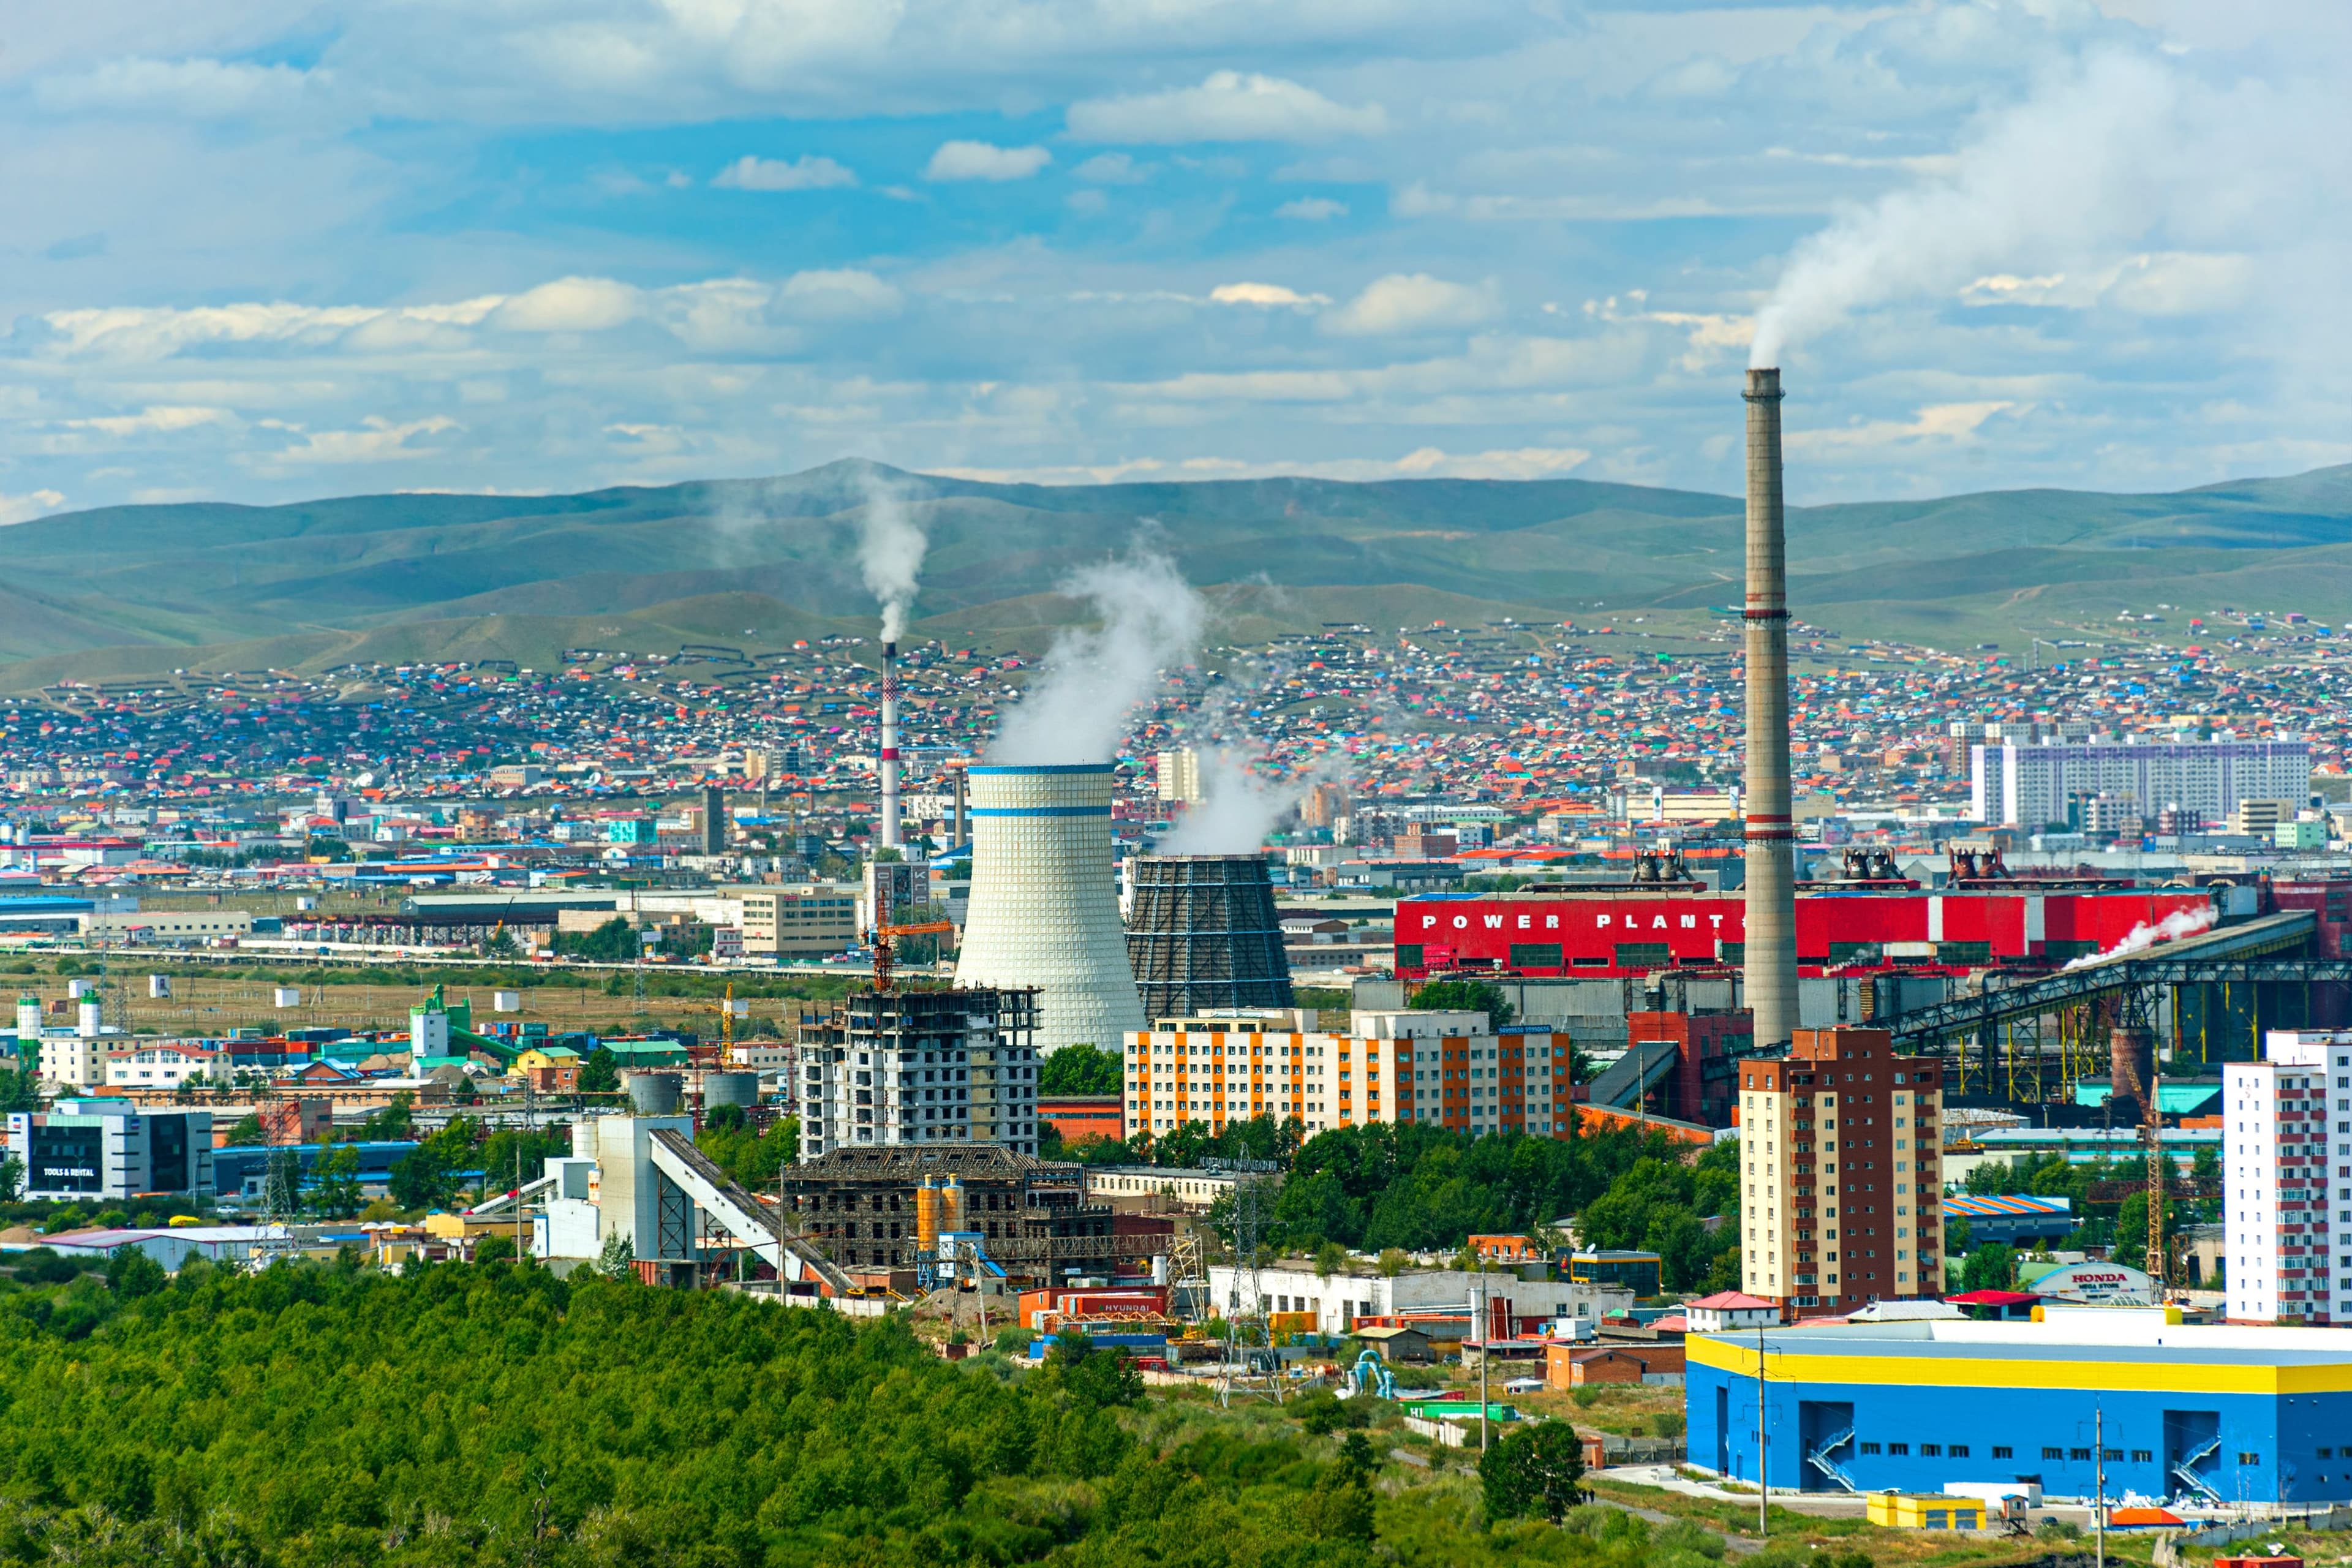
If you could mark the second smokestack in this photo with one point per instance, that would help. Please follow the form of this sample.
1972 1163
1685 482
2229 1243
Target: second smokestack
1769 954
889 836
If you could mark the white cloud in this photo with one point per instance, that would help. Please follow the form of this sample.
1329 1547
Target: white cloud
1941 422
1422 463
1414 302
377 440
845 294
26 508
1268 294
1227 107
193 88
985 161
571 305
1312 209
154 418
807 172
1113 169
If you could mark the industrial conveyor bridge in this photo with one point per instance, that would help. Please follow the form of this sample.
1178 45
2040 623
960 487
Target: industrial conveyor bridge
692 1183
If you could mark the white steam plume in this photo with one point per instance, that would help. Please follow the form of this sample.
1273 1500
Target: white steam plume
1076 709
1238 807
2119 154
2143 936
890 546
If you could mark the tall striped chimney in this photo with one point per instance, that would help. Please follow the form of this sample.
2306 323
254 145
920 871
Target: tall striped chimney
1770 950
889 834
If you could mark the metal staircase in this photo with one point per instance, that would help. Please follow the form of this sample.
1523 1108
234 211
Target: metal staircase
1819 1458
2185 1470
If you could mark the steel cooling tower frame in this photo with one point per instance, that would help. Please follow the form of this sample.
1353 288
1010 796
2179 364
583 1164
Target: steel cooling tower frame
1202 935
1044 900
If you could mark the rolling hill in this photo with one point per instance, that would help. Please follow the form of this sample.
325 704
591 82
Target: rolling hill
123 591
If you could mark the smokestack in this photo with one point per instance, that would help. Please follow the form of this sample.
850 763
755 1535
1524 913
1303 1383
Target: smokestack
1770 953
890 834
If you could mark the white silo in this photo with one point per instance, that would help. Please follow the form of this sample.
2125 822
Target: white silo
90 1020
1044 900
28 1021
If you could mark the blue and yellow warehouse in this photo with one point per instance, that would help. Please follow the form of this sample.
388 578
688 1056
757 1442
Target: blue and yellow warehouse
2218 1414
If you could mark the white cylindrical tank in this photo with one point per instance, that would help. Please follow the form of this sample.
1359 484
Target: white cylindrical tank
77 989
90 1021
28 1019
1044 900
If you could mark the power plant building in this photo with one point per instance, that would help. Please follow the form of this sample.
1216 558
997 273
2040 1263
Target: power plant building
2032 785
891 1067
1044 900
1203 936
2226 1415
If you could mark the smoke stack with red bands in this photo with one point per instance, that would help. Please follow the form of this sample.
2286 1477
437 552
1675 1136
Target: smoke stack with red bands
888 833
1769 955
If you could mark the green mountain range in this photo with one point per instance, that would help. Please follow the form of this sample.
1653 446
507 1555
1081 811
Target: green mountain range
126 591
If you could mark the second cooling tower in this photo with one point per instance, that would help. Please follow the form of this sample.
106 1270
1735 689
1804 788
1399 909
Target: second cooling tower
1044 900
1204 936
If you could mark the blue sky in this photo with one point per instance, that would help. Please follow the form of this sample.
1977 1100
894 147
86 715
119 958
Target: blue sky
263 250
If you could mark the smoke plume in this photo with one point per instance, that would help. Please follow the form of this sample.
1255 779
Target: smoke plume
1075 711
1238 807
890 545
2143 936
2060 199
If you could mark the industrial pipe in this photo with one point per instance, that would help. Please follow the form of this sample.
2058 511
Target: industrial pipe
1769 958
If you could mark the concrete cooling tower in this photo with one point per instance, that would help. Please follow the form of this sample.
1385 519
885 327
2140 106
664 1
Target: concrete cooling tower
1044 901
1203 936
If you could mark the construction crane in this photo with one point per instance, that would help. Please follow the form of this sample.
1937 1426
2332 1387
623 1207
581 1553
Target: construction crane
883 954
2152 1138
728 1010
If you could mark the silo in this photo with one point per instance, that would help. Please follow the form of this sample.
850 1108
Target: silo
654 1093
927 1216
1203 935
1044 900
28 1020
88 1020
730 1089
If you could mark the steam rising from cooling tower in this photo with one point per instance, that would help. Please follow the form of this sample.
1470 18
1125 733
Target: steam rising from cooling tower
1238 807
1770 956
1076 709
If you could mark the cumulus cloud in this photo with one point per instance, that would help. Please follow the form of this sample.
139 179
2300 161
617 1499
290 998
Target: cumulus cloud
377 440
985 161
153 419
841 294
1414 302
571 305
1113 169
1266 294
1228 107
1942 422
26 508
807 172
1312 209
193 88
1422 463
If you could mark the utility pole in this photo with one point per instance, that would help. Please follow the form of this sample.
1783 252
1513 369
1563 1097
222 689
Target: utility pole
1763 1482
1485 1354
2099 1503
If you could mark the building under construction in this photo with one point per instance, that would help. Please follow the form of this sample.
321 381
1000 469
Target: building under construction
887 1068
1203 936
879 1211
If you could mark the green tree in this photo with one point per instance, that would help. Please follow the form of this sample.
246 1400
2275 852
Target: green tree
600 1074
337 1177
20 1089
1957 1235
1534 1471
614 941
497 1246
245 1131
131 1273
1081 1070
616 1259
1992 1267
12 1180
1464 996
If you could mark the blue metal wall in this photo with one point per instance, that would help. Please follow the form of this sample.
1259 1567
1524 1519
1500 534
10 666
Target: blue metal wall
2288 1448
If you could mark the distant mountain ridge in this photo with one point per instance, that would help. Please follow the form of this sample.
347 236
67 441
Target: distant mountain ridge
123 589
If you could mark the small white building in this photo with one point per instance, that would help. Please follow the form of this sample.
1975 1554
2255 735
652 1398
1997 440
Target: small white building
1339 1299
163 1064
1727 1312
2276 1152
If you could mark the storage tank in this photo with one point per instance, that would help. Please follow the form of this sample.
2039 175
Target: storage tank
88 1022
1044 900
927 1216
655 1093
730 1089
1203 935
952 1205
28 1019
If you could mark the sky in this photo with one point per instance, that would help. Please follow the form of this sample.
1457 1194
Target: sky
261 250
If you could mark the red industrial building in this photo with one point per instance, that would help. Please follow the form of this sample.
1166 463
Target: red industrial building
1584 934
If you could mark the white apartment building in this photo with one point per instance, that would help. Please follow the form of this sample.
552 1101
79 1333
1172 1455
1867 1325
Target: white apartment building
921 1067
76 1060
2029 785
1178 774
163 1065
1452 1068
2282 1115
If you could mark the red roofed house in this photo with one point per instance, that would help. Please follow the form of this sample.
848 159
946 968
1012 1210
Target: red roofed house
1728 1311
